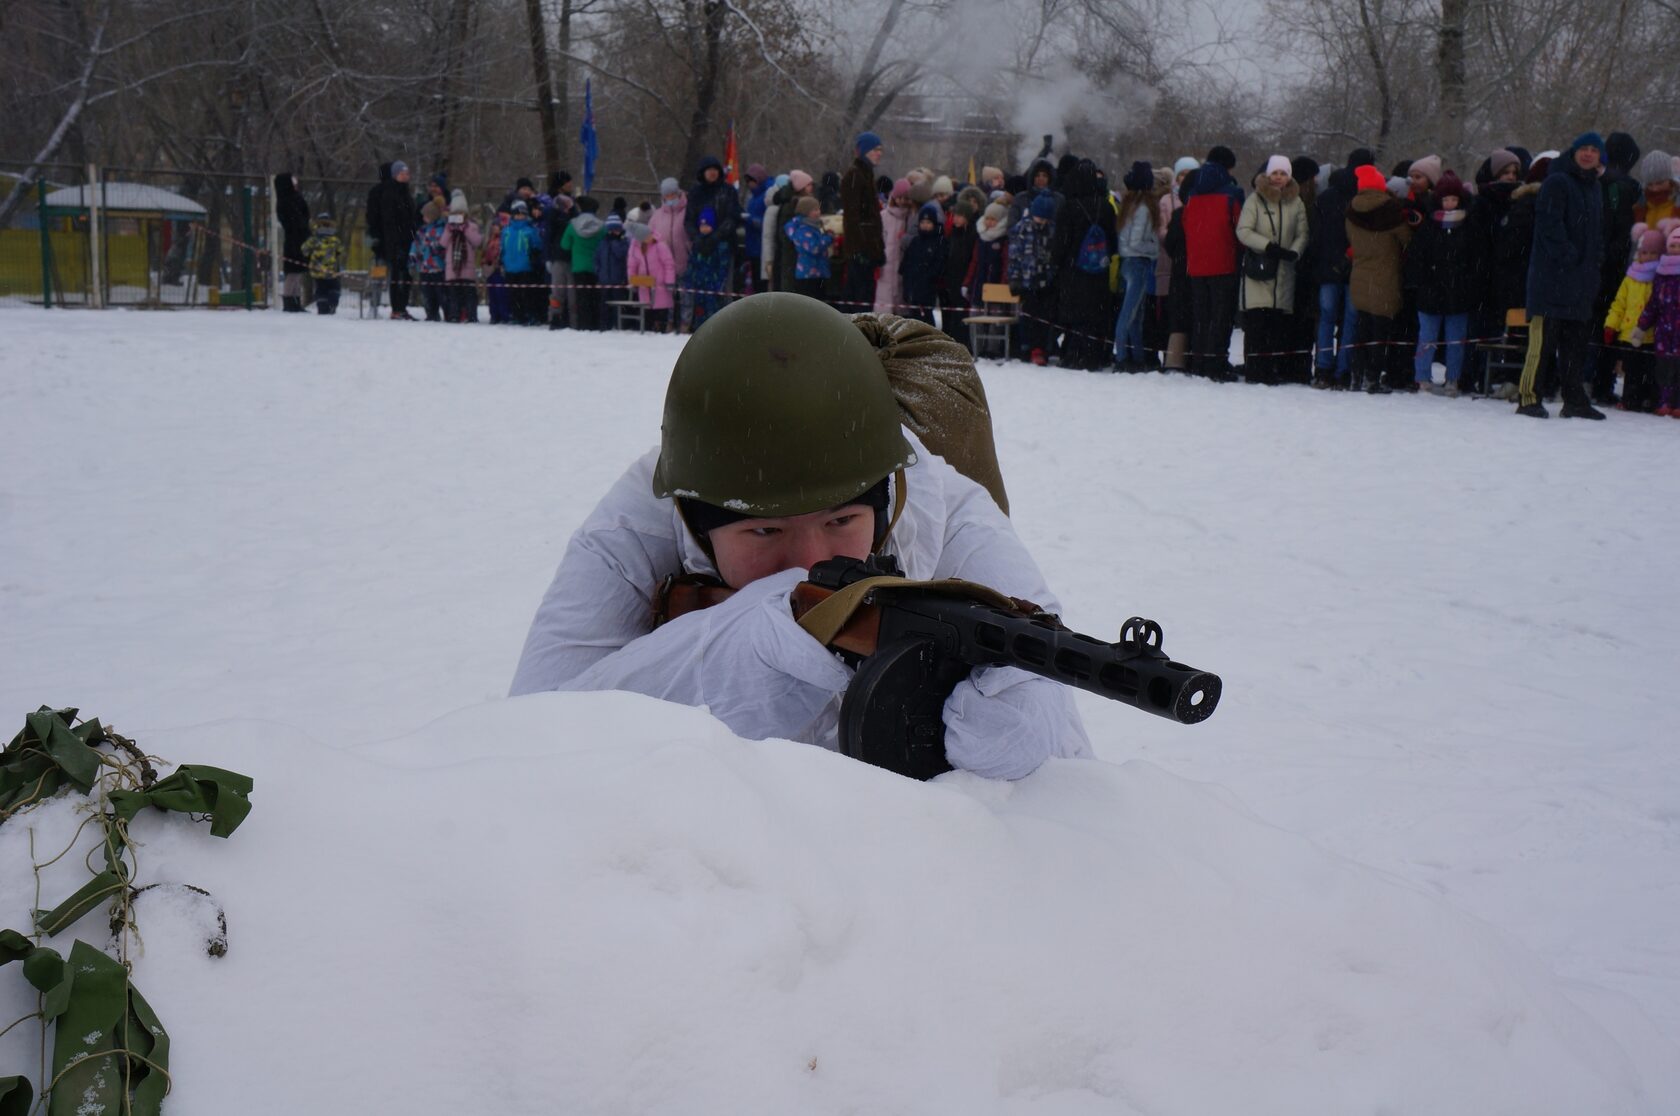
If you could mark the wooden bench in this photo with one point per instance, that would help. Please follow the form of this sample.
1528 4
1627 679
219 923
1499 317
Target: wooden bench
625 309
1000 311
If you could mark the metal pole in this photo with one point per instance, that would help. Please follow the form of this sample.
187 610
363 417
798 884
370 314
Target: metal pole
250 260
276 243
96 238
46 243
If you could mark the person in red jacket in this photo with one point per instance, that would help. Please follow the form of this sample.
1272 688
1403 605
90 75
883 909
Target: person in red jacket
1211 257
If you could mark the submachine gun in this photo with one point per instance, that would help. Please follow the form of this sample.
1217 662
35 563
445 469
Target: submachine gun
911 642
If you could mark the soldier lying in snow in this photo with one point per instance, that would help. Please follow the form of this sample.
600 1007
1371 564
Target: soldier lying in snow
783 445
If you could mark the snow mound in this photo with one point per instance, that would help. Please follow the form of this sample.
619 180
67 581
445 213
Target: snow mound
604 903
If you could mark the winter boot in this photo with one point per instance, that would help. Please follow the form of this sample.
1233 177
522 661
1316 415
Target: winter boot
291 304
1582 410
1377 387
1534 410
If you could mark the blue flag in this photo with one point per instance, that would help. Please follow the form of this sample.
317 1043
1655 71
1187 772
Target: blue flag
591 147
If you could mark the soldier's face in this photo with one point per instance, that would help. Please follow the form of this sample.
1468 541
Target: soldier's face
749 549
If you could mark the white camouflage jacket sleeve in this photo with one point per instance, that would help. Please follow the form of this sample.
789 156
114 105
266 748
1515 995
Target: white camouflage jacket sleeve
750 663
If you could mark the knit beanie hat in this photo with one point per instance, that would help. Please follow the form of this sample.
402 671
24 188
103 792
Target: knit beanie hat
1399 187
799 180
942 185
1043 205
901 189
1656 166
441 182
990 174
398 167
638 231
1280 163
708 216
1224 156
1539 169
1140 177
1499 160
524 184
1185 163
1620 150
458 202
520 206
1361 157
867 142
1671 247
1451 187
1647 239
1588 139
1429 166
757 173
668 186
1368 177
808 207
931 211
1304 168
614 221
997 212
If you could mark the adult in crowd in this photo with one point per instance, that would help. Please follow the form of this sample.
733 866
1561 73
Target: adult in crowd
712 191
1332 266
861 225
1377 232
1657 201
391 221
1504 213
1081 244
293 214
1296 367
1210 243
1272 227
1139 243
1563 277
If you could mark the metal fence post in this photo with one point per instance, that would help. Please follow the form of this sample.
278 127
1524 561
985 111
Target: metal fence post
250 257
276 244
96 239
46 243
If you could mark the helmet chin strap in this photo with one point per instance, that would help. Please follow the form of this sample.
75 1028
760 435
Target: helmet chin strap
900 495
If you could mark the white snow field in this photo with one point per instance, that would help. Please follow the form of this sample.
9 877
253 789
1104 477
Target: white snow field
1425 858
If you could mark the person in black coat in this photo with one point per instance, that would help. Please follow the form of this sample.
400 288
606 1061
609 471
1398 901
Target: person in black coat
712 191
959 257
1445 264
1331 267
293 214
1178 287
1563 276
921 262
1084 229
392 219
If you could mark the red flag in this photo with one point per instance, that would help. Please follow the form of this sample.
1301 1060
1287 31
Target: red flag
730 157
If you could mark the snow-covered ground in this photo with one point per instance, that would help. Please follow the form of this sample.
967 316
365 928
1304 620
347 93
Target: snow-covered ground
1422 860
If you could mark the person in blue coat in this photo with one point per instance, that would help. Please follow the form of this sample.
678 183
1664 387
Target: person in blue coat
522 256
1563 277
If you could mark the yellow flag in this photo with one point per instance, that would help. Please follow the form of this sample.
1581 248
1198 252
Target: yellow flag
971 177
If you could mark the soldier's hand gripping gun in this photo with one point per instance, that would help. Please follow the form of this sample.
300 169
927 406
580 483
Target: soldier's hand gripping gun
912 642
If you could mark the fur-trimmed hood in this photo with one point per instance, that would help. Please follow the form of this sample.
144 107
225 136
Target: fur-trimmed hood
1274 196
1376 211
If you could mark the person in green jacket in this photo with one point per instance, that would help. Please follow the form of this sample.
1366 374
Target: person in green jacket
582 234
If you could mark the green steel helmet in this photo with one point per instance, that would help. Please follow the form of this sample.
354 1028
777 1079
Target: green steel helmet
778 406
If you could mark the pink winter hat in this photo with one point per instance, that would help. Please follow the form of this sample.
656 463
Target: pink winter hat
799 180
900 189
1670 227
1429 166
1647 239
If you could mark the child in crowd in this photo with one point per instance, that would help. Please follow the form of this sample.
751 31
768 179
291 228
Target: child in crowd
612 265
461 241
1031 275
651 256
583 233
521 255
895 223
812 243
1660 321
1621 323
495 284
325 253
708 268
991 254
1140 242
921 261
1446 262
960 241
425 257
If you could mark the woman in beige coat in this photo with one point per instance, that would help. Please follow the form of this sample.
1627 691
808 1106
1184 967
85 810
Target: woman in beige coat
1273 229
